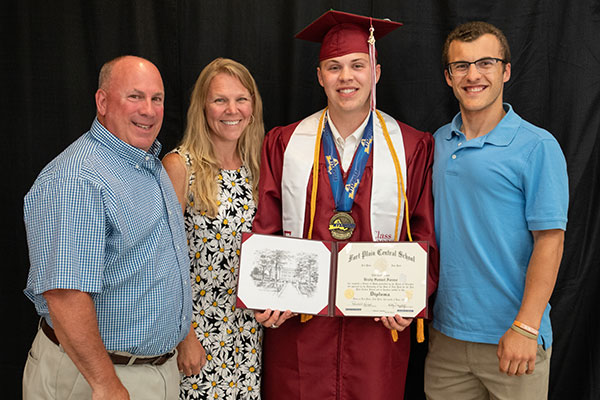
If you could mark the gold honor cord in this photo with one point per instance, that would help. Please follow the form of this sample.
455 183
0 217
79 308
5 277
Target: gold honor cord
399 181
313 193
315 182
401 192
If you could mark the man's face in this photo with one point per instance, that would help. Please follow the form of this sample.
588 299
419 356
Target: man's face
347 82
478 92
132 105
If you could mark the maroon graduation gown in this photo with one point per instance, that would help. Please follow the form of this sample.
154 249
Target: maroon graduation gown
342 357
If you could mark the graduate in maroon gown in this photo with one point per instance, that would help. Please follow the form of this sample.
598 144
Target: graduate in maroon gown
366 162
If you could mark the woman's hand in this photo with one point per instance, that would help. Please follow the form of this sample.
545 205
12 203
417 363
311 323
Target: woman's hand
191 356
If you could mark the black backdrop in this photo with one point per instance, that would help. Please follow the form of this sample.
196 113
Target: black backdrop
51 53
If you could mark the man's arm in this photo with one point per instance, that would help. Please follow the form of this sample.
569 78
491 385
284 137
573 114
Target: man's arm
191 356
516 352
74 320
268 218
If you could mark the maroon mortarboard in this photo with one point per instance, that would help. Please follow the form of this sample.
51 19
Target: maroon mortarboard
342 33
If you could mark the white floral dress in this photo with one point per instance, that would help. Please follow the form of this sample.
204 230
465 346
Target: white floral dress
231 337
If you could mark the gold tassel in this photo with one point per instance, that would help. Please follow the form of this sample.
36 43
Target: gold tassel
420 330
394 335
305 317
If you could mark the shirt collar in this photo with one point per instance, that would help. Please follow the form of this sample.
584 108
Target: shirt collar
357 133
126 151
501 135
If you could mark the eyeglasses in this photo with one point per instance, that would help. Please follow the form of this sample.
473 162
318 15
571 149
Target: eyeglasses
483 65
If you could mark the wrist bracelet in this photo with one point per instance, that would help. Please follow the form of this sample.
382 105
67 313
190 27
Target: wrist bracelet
523 332
526 327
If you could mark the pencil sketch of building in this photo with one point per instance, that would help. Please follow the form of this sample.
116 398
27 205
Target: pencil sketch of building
275 269
306 274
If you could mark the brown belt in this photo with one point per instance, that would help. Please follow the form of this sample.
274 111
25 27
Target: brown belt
115 358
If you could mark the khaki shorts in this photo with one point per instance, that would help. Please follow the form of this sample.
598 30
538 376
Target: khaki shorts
460 370
50 374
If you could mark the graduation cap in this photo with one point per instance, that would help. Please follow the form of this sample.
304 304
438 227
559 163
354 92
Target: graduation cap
342 33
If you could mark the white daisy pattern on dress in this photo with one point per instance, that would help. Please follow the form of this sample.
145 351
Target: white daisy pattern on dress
232 338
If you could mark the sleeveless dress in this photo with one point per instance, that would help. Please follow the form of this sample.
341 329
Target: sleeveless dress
231 337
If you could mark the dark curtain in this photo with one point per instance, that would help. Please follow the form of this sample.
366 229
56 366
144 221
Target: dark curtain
51 52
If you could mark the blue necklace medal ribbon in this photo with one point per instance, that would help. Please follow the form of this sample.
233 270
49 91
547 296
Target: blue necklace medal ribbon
342 224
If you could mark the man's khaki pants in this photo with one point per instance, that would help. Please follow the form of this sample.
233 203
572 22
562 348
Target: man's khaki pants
50 374
460 370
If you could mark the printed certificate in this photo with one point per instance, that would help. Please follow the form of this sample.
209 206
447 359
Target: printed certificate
382 278
333 278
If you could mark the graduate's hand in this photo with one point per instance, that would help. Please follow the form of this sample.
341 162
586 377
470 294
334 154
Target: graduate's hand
396 322
272 319
516 353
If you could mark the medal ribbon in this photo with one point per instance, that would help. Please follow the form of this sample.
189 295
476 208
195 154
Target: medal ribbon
343 194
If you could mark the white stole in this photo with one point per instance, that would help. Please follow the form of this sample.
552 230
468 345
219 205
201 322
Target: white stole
297 167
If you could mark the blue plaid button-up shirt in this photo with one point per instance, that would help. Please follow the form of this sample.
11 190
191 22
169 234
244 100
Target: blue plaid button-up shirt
103 218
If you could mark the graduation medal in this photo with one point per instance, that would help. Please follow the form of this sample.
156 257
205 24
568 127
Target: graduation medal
341 226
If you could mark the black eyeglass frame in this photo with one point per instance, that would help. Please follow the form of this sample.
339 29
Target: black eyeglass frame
449 65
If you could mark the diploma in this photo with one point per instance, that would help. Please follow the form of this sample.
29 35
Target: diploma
382 278
333 278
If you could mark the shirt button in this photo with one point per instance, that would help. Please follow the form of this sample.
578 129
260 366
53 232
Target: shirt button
137 166
170 213
177 247
454 156
460 143
147 158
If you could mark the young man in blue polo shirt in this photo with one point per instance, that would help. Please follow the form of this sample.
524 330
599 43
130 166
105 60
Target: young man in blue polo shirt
501 198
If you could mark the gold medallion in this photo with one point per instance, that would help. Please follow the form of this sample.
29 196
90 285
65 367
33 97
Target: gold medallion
341 225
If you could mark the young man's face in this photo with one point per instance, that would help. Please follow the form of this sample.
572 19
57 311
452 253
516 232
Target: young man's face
132 106
476 91
347 82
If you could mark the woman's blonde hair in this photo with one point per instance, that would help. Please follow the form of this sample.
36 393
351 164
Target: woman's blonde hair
197 137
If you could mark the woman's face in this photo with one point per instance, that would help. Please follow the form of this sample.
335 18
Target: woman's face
228 108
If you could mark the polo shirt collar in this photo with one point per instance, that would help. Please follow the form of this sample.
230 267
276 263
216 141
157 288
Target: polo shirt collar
126 151
501 135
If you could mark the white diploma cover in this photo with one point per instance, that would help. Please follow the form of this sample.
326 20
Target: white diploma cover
368 279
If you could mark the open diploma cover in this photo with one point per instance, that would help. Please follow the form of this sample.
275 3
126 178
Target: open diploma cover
329 278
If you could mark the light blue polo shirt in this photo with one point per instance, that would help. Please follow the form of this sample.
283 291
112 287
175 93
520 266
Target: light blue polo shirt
490 192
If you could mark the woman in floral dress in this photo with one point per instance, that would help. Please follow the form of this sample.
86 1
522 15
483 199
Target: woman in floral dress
215 175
